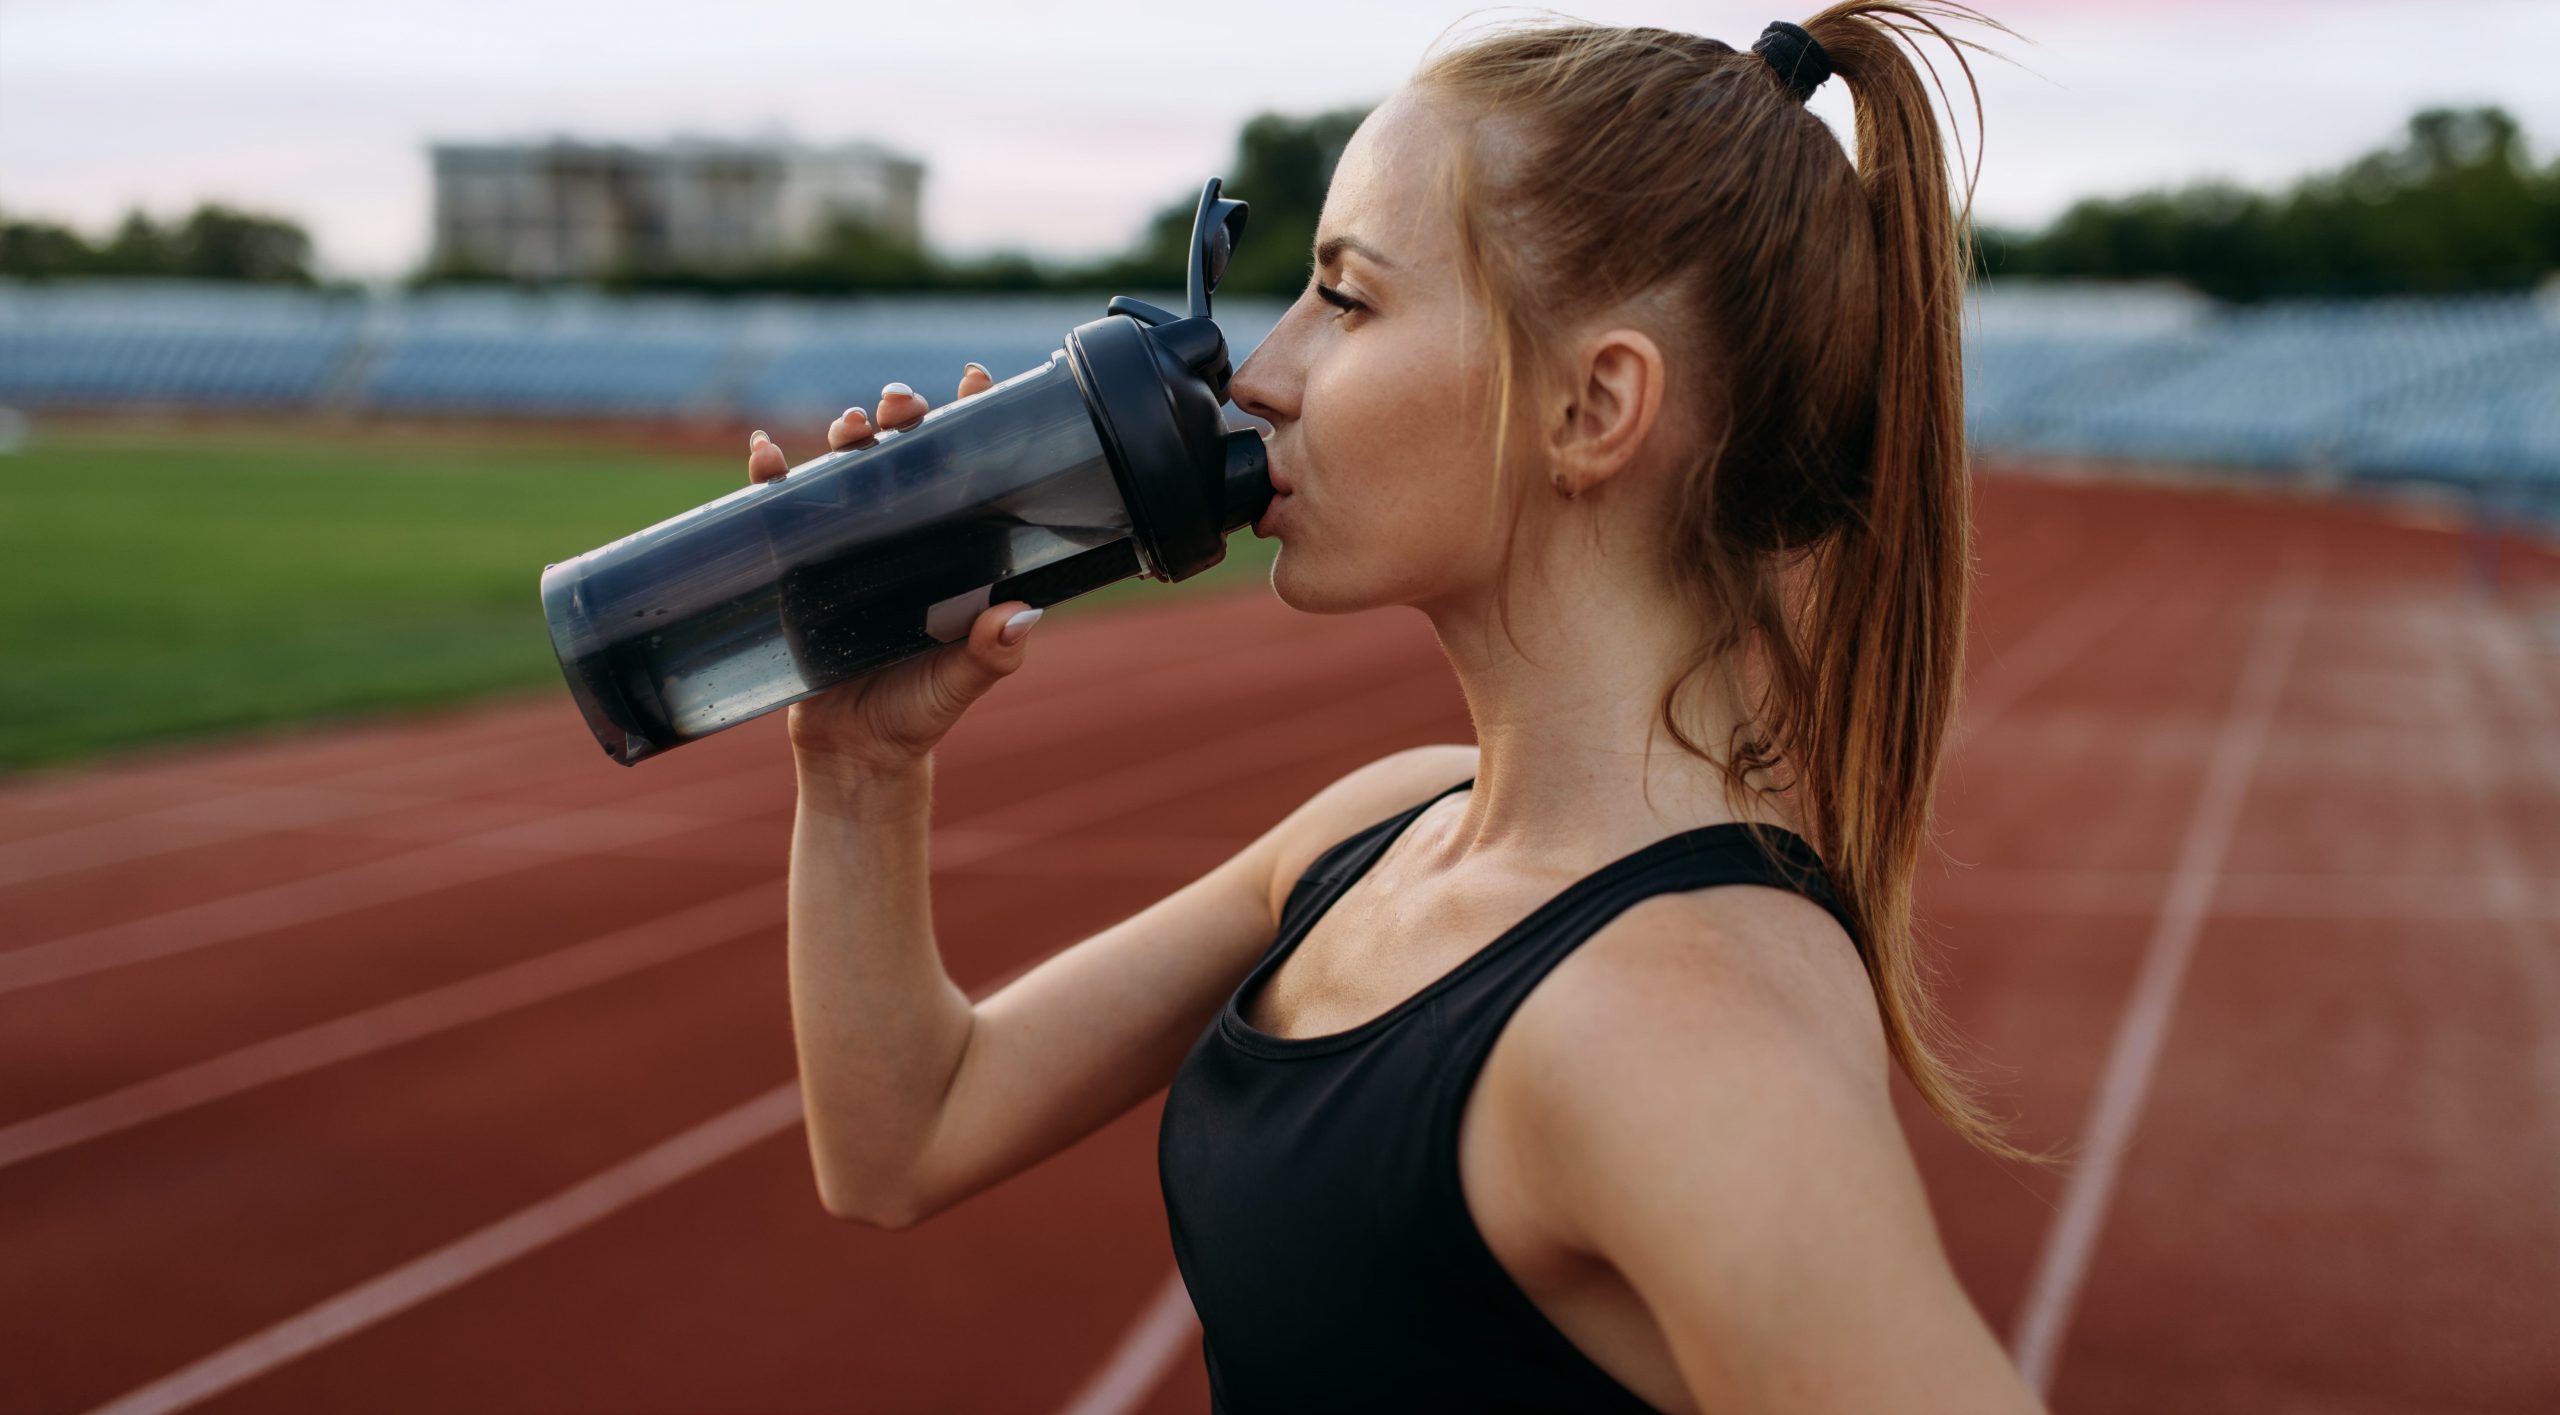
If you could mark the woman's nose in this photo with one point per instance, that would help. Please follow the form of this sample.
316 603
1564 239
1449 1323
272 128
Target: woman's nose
1251 389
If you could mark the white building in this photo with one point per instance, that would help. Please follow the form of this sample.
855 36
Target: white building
564 209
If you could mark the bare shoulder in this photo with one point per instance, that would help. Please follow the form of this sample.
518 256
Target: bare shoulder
1772 969
1361 798
1740 1014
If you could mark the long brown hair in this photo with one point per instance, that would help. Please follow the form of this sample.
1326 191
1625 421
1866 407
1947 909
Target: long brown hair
1822 536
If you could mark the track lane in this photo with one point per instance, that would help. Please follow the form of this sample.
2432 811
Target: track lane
2117 721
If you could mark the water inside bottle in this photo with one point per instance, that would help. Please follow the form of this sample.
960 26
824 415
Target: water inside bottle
777 591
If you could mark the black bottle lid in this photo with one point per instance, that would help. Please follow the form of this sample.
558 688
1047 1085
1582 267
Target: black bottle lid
1154 381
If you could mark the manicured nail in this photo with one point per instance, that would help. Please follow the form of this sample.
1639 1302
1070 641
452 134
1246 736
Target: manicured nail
1018 626
851 413
756 437
982 368
897 388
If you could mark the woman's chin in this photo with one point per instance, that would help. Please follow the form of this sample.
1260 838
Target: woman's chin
1316 593
1288 588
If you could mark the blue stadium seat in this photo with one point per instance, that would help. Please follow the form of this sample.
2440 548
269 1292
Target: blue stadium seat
170 343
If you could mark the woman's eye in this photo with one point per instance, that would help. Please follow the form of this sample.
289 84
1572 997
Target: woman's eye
1338 299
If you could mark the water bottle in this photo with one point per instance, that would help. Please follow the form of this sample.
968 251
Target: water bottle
1109 461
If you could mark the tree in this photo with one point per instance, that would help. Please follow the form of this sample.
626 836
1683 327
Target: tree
2454 206
1283 166
218 242
41 250
214 242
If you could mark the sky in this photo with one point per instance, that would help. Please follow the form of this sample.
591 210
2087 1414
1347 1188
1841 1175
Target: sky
1057 128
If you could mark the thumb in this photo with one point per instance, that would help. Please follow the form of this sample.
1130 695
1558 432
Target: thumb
968 669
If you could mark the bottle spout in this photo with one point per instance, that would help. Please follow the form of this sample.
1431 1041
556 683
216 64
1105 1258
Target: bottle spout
1248 481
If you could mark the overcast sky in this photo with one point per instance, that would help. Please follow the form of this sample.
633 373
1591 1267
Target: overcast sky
1056 126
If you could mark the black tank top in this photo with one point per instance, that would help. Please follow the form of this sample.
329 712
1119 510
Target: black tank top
1312 1182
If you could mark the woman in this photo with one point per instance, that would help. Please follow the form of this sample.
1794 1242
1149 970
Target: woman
1637 1152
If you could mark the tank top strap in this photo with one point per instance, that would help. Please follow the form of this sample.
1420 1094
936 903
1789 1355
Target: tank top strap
1351 856
1471 1015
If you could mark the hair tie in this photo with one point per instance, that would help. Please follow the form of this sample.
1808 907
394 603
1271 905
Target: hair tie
1795 55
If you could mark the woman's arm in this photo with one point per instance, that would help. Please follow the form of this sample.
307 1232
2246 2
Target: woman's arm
1709 1114
916 1098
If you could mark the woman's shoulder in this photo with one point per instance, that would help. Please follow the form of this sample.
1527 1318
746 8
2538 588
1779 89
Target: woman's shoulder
1766 971
1693 1031
1750 993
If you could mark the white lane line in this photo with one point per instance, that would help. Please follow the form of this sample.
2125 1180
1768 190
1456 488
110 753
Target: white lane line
407 875
2054 1288
591 831
392 1024
480 1252
2506 654
249 811
1138 1365
185 827
470 1256
1056 812
349 794
2528 944
2488 895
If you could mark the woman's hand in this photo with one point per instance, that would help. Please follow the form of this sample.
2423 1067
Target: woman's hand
891 719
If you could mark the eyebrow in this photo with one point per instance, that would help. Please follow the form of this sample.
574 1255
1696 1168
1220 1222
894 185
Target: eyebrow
1331 251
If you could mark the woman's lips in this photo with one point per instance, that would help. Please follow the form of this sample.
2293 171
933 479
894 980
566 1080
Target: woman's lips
1281 486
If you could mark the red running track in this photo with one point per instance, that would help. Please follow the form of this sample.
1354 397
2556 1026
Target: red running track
442 1065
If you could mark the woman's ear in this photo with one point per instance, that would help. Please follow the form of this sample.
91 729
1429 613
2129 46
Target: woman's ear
1613 396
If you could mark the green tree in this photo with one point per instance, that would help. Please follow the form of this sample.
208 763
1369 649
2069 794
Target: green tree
1282 167
2455 205
214 242
41 250
218 242
138 247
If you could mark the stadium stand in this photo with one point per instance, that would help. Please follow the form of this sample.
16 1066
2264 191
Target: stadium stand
178 343
576 352
2463 391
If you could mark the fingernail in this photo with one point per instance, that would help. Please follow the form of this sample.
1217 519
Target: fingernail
897 388
851 413
1018 626
756 437
982 368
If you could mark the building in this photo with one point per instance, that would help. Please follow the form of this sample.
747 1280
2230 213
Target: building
565 209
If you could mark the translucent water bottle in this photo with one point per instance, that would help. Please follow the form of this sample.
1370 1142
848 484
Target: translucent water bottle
1109 461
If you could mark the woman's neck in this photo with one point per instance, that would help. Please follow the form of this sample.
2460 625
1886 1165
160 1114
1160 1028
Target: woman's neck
1574 756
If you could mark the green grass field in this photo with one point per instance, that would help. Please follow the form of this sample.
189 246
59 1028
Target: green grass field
157 586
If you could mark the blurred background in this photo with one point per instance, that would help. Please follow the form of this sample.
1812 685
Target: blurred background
364 1040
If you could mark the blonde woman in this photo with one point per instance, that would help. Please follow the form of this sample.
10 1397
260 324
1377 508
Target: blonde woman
1546 1073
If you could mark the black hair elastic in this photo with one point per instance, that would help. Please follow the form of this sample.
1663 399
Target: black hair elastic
1796 55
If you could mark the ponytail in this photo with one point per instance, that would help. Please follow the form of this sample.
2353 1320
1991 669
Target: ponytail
1885 599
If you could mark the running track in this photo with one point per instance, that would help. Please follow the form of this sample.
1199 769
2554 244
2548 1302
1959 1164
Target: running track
442 1065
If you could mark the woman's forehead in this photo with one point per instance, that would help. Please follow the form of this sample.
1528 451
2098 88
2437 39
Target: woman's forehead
1386 187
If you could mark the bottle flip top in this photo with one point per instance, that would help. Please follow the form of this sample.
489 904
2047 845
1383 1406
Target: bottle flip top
1108 461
